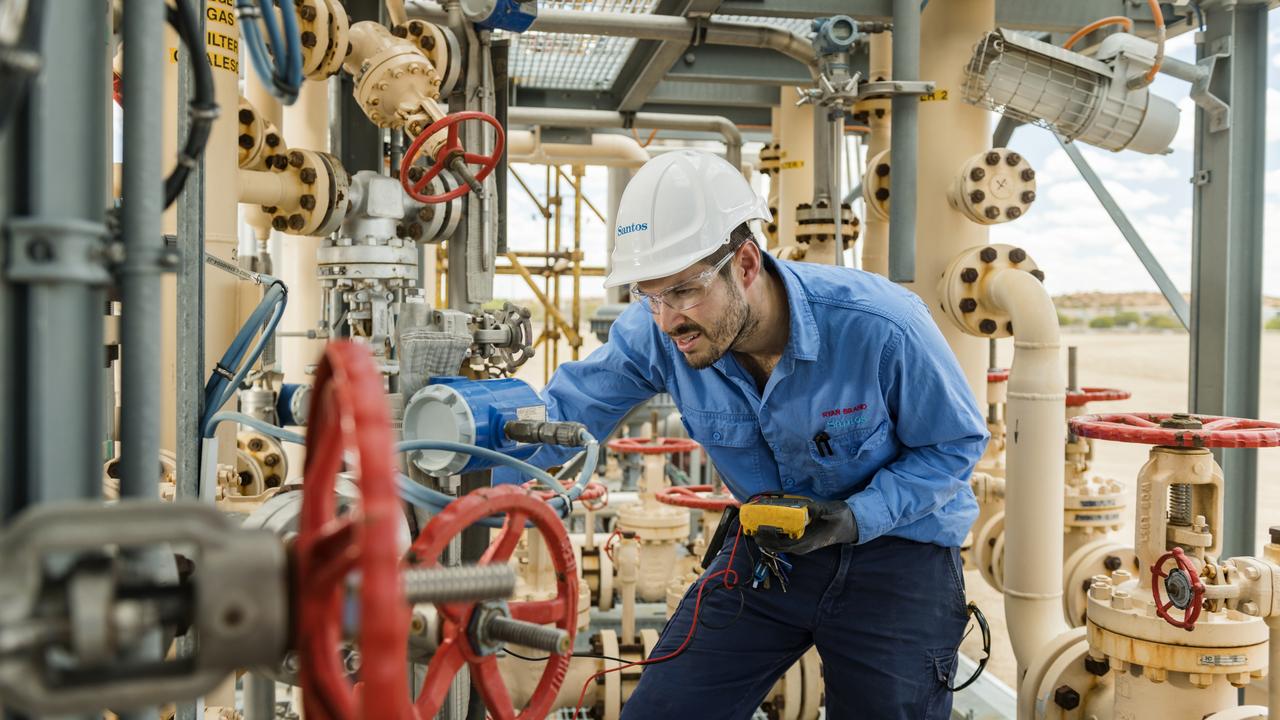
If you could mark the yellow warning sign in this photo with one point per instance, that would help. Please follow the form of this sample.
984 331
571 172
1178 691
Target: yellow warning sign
791 164
935 95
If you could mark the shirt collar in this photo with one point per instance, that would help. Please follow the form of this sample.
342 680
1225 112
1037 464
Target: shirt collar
804 341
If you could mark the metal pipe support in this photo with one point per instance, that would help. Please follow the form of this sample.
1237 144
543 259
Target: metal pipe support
902 143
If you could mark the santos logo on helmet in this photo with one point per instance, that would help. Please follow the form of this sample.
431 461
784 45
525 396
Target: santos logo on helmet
633 227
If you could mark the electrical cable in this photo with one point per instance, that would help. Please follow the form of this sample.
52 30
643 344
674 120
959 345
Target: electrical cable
203 108
729 580
278 59
1096 25
19 62
592 656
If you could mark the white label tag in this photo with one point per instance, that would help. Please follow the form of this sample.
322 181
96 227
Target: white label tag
537 413
1223 660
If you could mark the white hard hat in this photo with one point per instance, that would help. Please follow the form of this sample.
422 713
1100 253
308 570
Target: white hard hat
678 209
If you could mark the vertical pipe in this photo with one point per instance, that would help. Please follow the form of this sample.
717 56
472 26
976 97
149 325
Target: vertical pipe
1073 380
259 697
577 255
950 132
875 239
501 52
795 178
142 90
555 280
546 285
60 147
902 183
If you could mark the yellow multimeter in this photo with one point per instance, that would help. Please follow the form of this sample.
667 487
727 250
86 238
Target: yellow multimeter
788 514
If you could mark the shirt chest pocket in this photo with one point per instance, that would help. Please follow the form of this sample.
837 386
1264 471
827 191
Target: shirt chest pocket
728 430
841 459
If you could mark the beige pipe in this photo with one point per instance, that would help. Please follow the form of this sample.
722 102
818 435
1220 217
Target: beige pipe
794 128
606 149
1034 478
261 187
875 243
628 577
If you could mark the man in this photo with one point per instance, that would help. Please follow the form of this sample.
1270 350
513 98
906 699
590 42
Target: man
803 379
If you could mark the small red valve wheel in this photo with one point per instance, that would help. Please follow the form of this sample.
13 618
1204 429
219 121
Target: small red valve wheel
1183 586
456 646
593 490
448 153
998 375
349 412
655 446
1178 430
1085 395
697 497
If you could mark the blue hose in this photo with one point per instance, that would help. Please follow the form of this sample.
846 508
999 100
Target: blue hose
253 422
240 357
280 65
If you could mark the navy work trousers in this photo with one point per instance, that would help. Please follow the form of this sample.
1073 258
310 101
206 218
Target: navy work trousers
887 619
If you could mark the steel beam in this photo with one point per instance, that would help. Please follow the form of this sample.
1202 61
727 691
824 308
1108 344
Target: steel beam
713 94
650 60
727 64
1227 240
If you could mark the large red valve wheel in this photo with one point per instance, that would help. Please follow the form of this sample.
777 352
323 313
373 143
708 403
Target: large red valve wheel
1086 395
456 647
1146 429
655 446
349 412
1186 582
451 148
697 497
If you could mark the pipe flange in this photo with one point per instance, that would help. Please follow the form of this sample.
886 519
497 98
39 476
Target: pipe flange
261 464
313 31
962 288
322 186
875 185
770 162
260 145
436 222
814 223
994 187
339 43
396 83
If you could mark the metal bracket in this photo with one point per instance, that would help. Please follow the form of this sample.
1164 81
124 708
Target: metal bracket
889 88
1215 108
49 250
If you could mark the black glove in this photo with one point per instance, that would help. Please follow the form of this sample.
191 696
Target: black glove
831 522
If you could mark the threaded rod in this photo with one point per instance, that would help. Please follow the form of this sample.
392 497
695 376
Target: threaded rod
462 583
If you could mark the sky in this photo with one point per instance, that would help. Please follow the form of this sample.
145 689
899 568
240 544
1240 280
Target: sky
1067 232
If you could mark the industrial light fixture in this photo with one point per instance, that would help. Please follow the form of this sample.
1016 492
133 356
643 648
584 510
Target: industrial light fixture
1090 99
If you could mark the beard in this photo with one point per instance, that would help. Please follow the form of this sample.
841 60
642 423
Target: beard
735 323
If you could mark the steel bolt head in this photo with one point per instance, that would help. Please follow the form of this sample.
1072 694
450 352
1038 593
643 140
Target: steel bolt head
308 175
245 140
281 162
307 13
882 194
988 254
1066 698
1013 158
969 275
415 230
295 158
992 212
308 39
1096 667
1027 174
1028 196
1038 274
246 116
308 202
279 223
1008 327
1112 563
400 31
427 42
1017 255
988 326
968 305
977 196
415 28
977 174
1275 534
882 169
992 158
416 173
296 222
272 140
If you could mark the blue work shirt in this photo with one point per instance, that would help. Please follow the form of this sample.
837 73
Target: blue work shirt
865 364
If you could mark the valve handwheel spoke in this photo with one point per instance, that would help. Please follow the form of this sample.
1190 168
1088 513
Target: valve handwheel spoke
456 647
451 149
1086 395
656 446
1191 611
1207 431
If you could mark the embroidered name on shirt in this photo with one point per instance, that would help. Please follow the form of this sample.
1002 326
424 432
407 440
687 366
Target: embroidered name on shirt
845 417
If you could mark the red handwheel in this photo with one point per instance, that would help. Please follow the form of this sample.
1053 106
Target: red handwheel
456 646
349 412
656 446
1085 395
1182 585
698 497
449 151
1178 430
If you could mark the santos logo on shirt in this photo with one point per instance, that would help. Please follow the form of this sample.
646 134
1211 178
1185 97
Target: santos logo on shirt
633 227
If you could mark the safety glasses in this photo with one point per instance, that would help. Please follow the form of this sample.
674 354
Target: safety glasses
684 296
